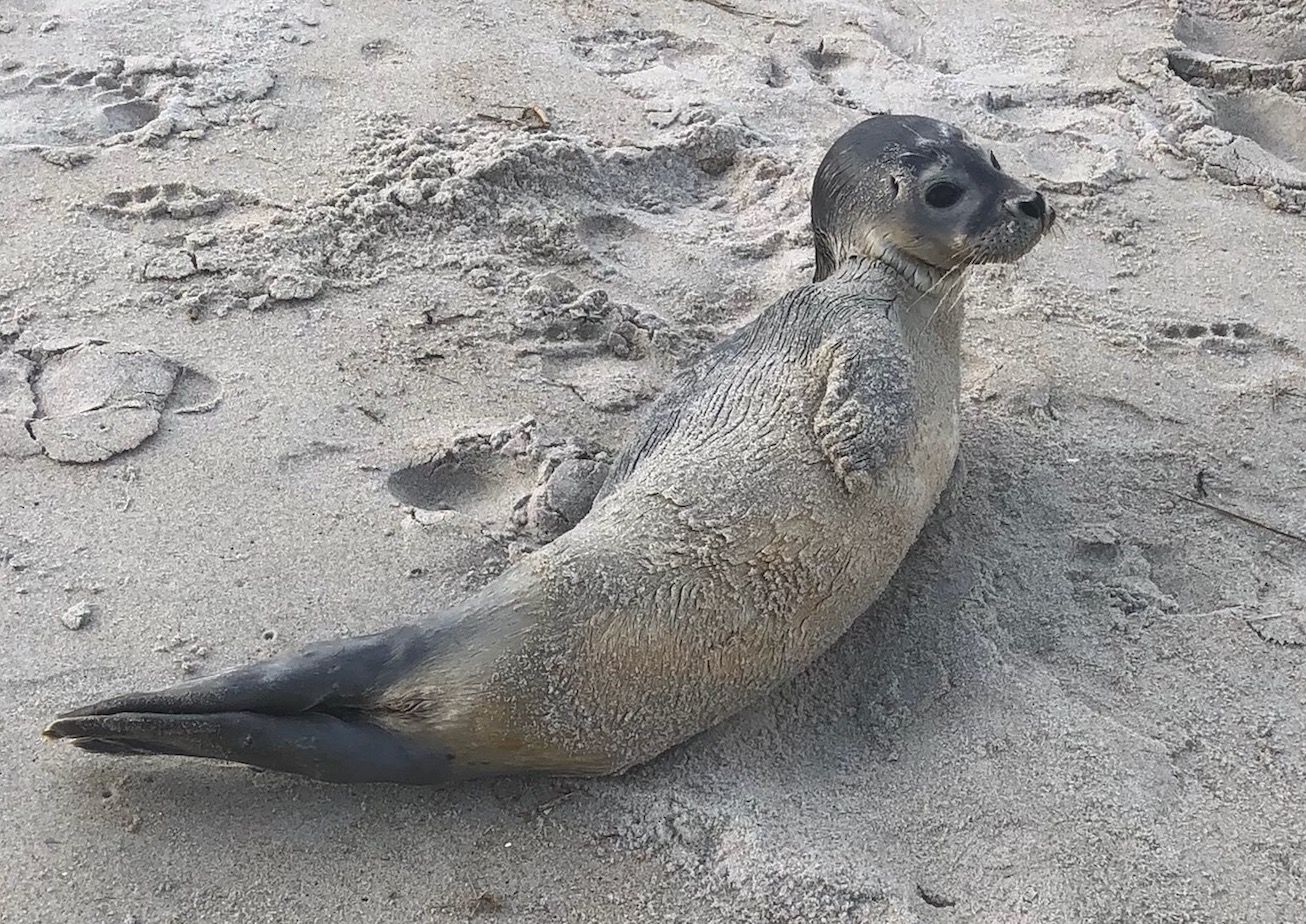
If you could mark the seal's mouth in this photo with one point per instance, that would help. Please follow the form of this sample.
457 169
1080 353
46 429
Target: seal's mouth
1006 242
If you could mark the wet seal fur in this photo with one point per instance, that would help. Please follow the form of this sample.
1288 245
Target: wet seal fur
764 504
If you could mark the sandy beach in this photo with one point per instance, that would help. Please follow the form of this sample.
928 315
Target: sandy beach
257 256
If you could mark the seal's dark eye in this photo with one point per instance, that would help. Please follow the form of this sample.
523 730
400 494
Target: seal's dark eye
993 159
944 194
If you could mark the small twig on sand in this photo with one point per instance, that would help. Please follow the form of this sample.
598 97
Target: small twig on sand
1279 392
727 7
1237 516
530 116
535 117
547 806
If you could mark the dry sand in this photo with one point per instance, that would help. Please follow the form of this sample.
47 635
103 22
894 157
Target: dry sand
257 255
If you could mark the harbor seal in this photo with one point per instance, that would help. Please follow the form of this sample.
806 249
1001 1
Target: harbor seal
763 504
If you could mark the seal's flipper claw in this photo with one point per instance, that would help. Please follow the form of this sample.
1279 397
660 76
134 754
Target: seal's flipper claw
343 673
317 745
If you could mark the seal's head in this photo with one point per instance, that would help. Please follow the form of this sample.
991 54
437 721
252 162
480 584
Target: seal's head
922 196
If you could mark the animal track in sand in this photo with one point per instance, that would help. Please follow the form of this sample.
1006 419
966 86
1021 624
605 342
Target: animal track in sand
1105 567
1239 337
627 51
529 489
775 74
87 401
1263 103
1271 118
609 355
823 59
474 476
1239 330
561 320
824 64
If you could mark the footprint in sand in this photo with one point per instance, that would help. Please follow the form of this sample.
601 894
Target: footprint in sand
512 478
558 318
1246 68
52 106
63 113
89 401
180 201
1248 31
823 59
610 355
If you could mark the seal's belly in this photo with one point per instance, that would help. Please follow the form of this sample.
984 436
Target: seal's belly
716 574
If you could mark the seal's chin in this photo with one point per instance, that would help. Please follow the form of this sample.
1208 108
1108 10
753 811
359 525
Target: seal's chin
1003 251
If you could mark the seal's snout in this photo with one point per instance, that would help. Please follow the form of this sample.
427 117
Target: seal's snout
1033 207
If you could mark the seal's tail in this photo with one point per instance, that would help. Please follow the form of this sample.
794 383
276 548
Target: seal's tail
306 713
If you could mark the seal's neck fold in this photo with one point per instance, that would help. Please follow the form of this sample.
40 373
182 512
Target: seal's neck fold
919 276
882 259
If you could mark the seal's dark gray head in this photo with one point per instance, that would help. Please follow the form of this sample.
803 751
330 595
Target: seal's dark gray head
922 196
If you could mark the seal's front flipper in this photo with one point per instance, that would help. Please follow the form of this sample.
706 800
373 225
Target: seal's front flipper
338 749
864 417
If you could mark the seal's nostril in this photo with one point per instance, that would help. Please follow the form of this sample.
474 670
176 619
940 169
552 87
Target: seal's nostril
1035 206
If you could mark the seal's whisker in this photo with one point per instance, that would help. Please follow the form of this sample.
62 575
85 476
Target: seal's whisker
968 260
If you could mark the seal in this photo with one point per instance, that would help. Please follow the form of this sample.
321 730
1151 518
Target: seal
764 503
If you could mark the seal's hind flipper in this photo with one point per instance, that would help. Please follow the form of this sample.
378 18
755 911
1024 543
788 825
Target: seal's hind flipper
319 745
345 673
305 713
